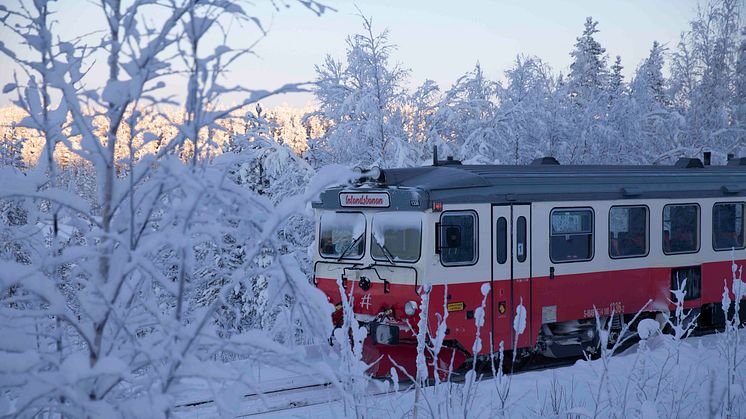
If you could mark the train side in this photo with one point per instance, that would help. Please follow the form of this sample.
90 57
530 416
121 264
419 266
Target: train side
556 262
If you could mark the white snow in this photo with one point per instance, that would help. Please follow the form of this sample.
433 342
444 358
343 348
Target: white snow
519 321
647 328
684 391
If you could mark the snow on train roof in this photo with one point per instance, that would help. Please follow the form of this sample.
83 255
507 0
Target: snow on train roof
547 182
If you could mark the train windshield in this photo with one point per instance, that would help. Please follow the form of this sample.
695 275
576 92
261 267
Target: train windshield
397 236
342 235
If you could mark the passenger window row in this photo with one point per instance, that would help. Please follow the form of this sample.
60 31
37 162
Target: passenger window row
571 235
571 231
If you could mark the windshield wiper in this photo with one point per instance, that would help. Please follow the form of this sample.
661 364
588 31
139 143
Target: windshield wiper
386 252
350 246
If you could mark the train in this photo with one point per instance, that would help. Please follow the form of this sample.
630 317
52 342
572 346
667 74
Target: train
558 245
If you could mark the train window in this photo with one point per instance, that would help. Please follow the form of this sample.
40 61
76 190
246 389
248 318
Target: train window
502 240
571 235
458 238
628 231
520 241
342 235
680 228
728 226
396 236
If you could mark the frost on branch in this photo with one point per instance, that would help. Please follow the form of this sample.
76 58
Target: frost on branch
99 286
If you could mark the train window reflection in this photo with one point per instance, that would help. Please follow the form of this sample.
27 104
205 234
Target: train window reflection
458 238
571 236
397 236
628 231
681 228
728 226
342 235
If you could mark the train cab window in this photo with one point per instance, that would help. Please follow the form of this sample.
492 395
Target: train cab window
458 238
571 235
520 242
680 228
342 235
628 231
502 240
728 226
396 236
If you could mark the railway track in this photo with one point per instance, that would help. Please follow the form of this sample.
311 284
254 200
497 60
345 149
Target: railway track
280 400
274 401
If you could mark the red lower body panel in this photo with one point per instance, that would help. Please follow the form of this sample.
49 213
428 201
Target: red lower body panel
403 358
546 300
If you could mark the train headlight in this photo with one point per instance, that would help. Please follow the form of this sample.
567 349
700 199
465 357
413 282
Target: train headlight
410 307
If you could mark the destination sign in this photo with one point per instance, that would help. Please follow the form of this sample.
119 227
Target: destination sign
357 199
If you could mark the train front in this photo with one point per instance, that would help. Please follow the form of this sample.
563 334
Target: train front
369 240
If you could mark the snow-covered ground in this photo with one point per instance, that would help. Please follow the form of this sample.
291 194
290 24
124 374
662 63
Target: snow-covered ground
660 378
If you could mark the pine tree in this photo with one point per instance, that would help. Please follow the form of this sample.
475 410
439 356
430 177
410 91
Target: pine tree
649 84
619 137
651 122
616 79
588 70
586 98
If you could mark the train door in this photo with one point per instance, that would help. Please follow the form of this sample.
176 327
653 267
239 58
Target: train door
522 270
511 272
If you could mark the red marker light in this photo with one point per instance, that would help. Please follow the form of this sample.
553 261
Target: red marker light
437 206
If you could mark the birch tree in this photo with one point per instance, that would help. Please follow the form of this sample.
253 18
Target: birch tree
98 313
362 98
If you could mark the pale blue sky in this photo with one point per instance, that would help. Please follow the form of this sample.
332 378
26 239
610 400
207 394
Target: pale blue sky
436 39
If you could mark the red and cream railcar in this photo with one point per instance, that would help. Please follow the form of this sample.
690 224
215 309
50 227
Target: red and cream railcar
556 241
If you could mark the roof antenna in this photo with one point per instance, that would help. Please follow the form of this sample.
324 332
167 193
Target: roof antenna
435 155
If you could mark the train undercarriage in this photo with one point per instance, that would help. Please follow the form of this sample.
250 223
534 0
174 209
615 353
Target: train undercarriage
556 343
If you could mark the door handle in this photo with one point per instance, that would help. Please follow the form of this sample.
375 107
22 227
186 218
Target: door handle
551 272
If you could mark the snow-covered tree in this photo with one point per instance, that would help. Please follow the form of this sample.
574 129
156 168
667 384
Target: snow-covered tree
650 122
588 71
100 317
11 149
620 131
419 110
292 130
465 124
526 104
739 98
616 84
362 98
648 84
585 92
702 79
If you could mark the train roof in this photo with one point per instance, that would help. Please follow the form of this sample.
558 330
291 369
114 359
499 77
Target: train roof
545 180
